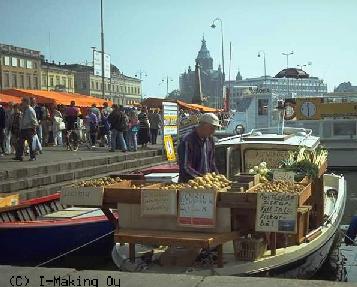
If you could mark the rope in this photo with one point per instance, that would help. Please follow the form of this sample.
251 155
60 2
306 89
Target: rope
68 252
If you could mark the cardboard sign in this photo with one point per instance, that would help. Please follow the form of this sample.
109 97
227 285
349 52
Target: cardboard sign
82 196
276 212
287 176
170 118
273 158
197 208
158 202
169 148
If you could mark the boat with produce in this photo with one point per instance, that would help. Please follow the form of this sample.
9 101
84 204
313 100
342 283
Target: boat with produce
272 211
37 230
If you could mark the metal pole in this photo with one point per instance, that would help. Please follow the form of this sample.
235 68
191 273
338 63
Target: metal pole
222 50
265 71
1 61
102 42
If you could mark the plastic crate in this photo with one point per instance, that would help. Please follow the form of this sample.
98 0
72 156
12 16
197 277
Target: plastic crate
249 249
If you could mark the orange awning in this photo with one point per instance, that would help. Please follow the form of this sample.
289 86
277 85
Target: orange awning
9 99
60 98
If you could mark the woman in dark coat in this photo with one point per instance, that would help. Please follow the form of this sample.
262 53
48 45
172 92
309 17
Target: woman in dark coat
144 128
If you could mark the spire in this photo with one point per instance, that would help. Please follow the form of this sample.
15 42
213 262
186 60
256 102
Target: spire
239 76
203 57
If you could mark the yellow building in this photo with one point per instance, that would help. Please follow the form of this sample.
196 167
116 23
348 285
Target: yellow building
56 78
120 89
20 68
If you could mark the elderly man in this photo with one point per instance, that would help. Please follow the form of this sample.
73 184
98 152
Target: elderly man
28 125
196 150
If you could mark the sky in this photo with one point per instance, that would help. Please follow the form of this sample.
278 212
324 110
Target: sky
161 38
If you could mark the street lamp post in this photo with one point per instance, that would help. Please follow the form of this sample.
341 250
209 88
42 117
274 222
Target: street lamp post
102 42
167 79
141 73
213 26
265 68
287 58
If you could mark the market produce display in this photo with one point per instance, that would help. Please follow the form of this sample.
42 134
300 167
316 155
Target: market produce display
210 180
263 171
305 162
279 186
102 181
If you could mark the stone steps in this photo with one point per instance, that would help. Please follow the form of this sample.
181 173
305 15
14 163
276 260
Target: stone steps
56 187
46 179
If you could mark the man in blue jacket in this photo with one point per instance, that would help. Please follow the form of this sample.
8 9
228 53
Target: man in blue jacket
196 150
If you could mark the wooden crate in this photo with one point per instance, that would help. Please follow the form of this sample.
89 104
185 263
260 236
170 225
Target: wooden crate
303 196
124 192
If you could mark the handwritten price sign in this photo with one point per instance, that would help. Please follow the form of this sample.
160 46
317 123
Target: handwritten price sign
287 176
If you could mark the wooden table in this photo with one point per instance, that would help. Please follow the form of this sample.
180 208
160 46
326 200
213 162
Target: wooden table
175 238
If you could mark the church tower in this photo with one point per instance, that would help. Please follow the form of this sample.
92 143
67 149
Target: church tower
203 58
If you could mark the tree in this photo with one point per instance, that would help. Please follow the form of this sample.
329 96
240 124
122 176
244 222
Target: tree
174 95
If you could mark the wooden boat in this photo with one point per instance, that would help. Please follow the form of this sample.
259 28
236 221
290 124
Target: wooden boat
296 256
41 229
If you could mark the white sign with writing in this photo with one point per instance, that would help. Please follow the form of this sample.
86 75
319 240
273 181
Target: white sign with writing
82 196
287 176
197 208
276 212
273 158
158 202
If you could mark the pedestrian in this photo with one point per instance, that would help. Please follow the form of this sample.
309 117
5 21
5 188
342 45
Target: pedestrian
133 130
28 126
15 127
196 151
118 124
8 118
105 125
71 116
92 120
2 130
58 126
144 132
155 125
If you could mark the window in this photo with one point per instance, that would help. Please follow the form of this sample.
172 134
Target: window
35 65
139 91
117 89
58 80
14 80
70 83
35 82
7 61
92 85
44 83
51 81
6 80
84 85
22 81
29 81
263 107
96 86
29 64
14 62
22 63
108 87
64 81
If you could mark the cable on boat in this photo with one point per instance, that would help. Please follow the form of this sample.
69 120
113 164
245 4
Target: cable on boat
75 249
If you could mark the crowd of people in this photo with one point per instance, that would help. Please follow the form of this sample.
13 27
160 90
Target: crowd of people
25 128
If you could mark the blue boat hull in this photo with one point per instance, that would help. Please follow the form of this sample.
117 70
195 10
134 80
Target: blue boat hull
31 246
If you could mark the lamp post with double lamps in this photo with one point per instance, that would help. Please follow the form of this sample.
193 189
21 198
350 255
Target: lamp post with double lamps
287 57
265 67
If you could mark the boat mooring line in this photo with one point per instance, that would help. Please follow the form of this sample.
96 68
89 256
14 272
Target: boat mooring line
75 249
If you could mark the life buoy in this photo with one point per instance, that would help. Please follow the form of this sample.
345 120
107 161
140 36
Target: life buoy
289 115
239 129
